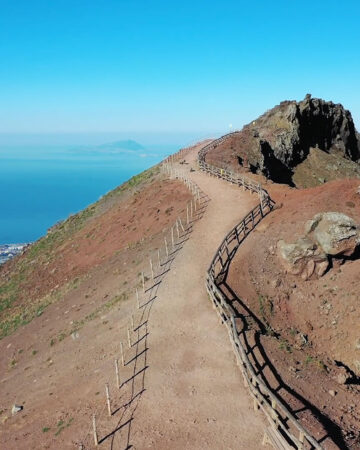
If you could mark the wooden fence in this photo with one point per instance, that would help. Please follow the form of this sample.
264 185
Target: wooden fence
159 264
284 431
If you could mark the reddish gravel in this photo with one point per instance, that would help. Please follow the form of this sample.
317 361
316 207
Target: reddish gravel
317 320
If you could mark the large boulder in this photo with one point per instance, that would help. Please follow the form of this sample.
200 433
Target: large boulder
327 235
303 258
336 233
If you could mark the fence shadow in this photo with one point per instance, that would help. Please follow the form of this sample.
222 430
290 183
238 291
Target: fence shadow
134 386
262 362
236 314
330 430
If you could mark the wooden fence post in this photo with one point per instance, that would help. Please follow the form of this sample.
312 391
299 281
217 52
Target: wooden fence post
261 205
108 398
245 381
159 261
220 260
96 441
143 281
166 247
151 269
182 226
273 406
301 439
172 238
117 373
129 338
137 297
122 354
177 229
187 214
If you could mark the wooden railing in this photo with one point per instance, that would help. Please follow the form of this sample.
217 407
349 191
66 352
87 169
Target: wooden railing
286 430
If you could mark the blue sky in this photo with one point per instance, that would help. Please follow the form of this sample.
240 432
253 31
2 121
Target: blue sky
170 66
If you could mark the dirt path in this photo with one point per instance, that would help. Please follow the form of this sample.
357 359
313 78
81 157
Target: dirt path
194 396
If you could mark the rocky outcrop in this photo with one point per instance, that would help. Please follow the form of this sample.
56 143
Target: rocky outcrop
336 233
279 140
320 167
303 258
327 235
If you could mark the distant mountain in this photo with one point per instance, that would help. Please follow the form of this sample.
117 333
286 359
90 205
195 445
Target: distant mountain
126 146
122 145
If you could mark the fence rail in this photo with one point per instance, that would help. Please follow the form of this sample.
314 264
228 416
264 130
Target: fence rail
286 430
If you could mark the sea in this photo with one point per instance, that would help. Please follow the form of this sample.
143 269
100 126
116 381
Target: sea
42 183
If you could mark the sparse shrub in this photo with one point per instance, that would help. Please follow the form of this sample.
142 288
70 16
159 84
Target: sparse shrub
266 307
293 331
321 365
284 345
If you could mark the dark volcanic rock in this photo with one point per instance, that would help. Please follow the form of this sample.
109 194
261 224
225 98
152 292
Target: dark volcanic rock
281 139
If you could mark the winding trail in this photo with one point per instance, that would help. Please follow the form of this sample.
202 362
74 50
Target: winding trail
195 397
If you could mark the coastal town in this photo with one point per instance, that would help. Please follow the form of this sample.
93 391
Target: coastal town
8 251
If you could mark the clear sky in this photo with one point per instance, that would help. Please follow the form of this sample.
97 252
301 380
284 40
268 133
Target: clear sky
172 66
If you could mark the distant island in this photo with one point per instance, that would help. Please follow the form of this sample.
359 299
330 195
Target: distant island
125 146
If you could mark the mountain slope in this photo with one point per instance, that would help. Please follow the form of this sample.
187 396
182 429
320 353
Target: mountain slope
64 303
179 367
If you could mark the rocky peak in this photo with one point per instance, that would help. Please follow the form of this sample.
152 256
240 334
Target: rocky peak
281 138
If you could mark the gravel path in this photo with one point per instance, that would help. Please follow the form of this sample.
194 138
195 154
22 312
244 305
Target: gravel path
194 396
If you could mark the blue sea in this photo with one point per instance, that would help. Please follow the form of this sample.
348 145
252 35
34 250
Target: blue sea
42 184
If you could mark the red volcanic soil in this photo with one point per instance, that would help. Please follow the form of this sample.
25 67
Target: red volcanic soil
315 322
80 282
56 365
226 153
